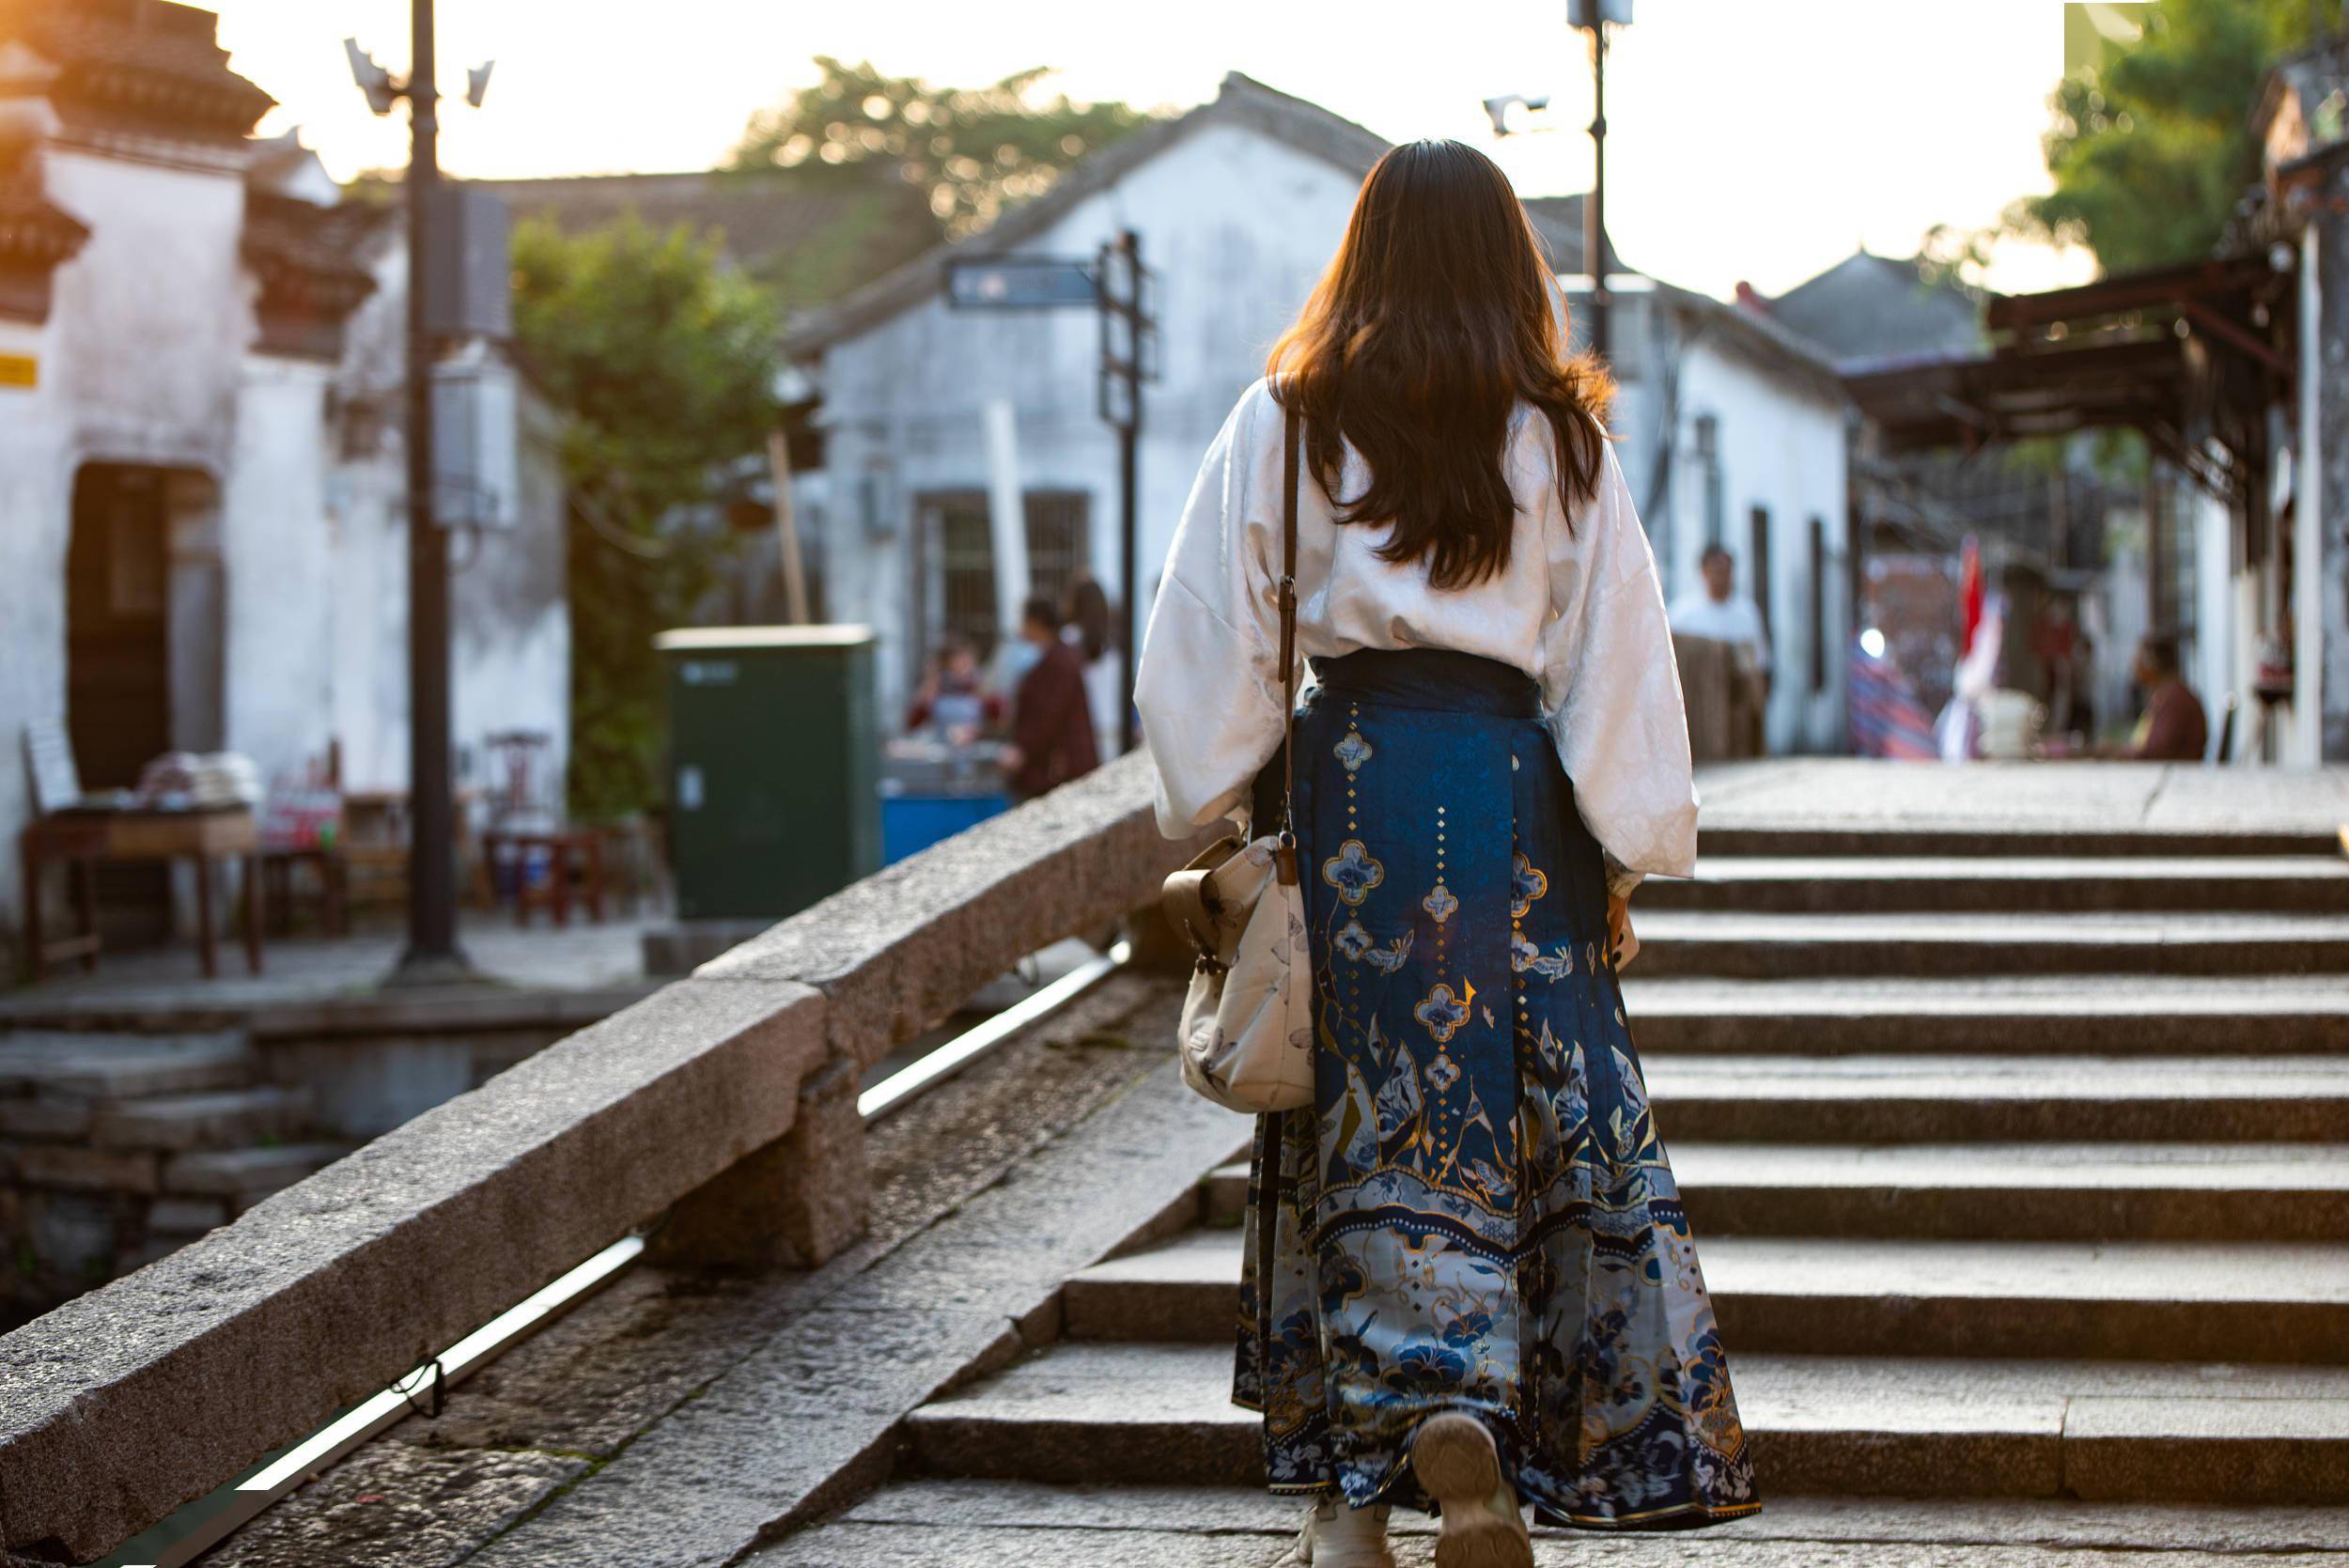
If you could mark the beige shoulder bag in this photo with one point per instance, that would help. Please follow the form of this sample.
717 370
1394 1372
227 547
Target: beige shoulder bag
1246 1035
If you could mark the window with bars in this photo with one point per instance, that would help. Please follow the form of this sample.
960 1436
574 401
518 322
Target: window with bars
954 567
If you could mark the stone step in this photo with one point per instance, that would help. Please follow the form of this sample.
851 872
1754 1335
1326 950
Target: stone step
2021 1191
1736 946
2080 884
246 1176
940 1522
2118 1301
2095 1431
2010 840
1958 1099
2118 1015
227 1118
64 1063
2266 1193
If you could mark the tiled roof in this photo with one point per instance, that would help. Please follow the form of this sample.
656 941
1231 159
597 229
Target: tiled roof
34 231
145 64
285 234
1243 100
1867 306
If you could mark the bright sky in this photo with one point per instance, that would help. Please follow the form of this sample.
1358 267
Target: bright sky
1756 141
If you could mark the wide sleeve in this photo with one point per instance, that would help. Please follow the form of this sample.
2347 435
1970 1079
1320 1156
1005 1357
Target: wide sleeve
1209 686
1610 691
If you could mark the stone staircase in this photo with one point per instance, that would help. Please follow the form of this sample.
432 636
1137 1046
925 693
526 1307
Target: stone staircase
116 1149
2020 1179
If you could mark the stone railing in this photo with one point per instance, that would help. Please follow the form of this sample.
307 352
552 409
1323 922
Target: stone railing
727 1100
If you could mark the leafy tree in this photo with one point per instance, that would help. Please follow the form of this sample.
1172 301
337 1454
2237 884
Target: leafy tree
2152 151
951 157
664 366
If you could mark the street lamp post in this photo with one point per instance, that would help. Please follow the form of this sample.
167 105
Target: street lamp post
432 947
432 953
1598 259
1594 257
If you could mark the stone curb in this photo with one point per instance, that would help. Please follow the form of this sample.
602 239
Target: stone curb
899 951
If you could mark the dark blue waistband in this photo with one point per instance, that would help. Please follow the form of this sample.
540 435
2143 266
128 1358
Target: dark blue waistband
1432 677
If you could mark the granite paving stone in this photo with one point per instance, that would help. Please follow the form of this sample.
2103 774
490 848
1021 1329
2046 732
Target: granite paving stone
810 1419
1987 1521
401 1503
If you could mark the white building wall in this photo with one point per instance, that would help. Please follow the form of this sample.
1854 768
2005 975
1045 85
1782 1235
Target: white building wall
1782 447
139 363
145 359
277 551
1237 226
151 316
36 498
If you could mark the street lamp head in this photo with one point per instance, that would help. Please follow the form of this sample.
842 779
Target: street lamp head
373 79
1497 109
477 82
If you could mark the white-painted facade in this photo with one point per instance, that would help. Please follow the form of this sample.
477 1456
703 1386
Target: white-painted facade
286 579
1238 220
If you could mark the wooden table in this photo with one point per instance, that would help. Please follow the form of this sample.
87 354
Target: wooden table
82 839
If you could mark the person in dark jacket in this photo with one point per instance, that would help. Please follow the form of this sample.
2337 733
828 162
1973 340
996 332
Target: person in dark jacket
1051 725
2174 727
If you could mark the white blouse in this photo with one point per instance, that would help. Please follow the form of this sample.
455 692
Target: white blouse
1579 609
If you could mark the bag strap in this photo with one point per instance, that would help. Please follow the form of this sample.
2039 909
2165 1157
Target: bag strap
1291 464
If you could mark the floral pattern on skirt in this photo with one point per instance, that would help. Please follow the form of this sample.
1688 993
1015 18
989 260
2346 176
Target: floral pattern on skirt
1478 1214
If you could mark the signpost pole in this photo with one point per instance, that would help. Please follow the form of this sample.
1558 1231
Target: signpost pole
1129 467
1125 352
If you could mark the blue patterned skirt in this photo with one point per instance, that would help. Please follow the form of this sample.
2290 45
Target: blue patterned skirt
1478 1215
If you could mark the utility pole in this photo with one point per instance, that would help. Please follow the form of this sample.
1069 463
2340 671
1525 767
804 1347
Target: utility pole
1129 358
1598 259
1595 254
432 951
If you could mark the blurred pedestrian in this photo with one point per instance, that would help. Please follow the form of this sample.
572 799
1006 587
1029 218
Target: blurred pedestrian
1716 611
2173 728
949 699
1051 725
1089 627
1714 608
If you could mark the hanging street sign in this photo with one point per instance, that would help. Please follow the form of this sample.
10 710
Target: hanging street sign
1018 282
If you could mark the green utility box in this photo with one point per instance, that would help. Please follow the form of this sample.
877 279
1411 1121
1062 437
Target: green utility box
774 758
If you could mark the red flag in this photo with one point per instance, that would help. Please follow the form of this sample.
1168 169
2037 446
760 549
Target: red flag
1969 592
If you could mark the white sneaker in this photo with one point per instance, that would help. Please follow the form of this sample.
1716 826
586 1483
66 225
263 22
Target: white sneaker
1460 1468
1336 1536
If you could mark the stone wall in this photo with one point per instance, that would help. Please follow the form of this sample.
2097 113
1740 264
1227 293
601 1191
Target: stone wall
115 1151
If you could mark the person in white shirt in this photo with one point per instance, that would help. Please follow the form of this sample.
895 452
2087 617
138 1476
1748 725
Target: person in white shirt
1464 1261
1714 608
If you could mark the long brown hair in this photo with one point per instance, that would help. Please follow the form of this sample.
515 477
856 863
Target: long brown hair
1432 324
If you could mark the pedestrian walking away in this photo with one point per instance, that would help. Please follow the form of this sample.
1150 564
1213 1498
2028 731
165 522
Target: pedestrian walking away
1051 723
1468 1282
